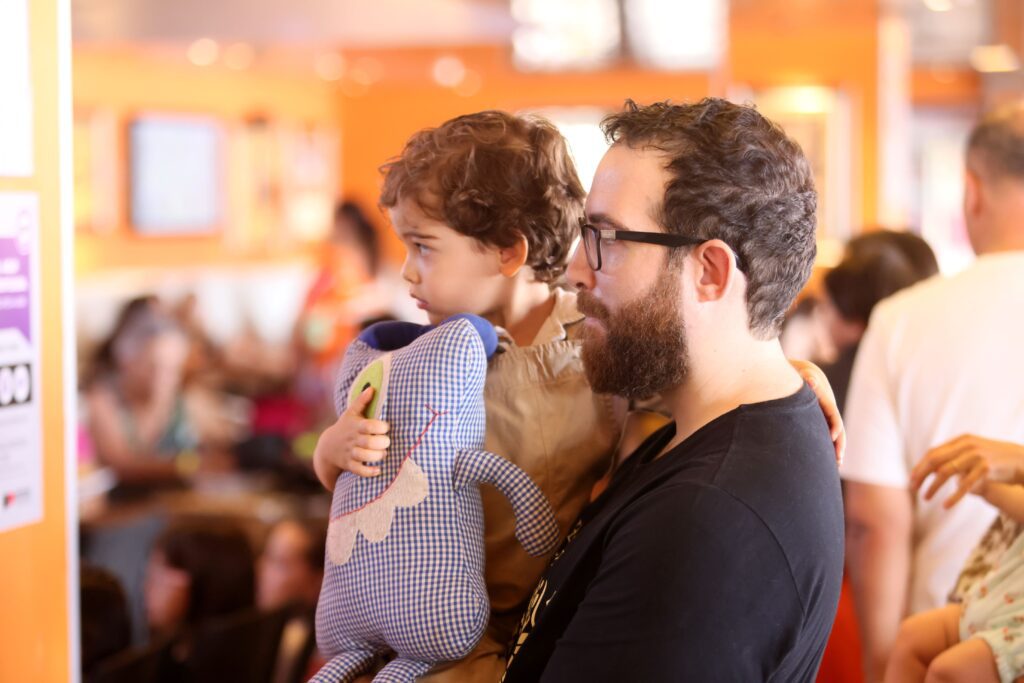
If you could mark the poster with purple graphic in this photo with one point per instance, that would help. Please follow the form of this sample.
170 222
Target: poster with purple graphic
21 447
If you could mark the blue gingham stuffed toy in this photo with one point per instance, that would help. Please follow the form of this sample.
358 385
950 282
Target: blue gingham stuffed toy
405 553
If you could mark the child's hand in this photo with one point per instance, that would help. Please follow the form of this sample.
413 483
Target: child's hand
353 443
974 460
814 376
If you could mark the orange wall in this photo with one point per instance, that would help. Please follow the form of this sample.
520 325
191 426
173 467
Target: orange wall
33 571
125 82
946 88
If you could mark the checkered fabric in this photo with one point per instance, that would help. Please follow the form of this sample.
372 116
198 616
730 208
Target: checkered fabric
420 590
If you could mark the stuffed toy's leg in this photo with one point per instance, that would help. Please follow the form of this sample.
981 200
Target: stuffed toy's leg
536 528
345 667
402 671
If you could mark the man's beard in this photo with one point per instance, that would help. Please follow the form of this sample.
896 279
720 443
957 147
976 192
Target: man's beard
642 349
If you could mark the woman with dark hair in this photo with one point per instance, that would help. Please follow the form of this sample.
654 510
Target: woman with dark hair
919 256
349 261
875 266
352 227
105 623
196 572
133 399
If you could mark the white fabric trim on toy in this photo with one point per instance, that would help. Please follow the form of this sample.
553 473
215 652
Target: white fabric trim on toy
409 489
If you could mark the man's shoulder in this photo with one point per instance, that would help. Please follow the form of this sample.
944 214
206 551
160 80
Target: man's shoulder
782 465
938 294
917 298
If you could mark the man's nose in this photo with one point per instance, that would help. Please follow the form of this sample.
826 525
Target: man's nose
579 273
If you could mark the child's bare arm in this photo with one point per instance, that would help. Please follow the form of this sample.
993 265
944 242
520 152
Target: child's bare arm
1009 498
352 444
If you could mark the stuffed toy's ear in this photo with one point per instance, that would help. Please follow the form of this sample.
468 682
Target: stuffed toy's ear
392 335
485 329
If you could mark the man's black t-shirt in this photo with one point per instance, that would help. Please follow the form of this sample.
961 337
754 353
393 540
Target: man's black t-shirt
719 561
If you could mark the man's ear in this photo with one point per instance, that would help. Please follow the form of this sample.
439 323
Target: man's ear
715 270
512 259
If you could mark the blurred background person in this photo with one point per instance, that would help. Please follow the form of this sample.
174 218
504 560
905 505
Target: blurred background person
134 403
197 572
106 628
875 266
933 365
915 250
289 575
350 260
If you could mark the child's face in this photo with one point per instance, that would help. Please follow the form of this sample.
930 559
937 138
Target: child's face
447 271
283 573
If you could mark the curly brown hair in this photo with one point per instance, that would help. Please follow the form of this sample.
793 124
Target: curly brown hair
737 177
497 178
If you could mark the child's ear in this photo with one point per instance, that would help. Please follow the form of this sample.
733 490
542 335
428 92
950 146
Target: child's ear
512 259
973 195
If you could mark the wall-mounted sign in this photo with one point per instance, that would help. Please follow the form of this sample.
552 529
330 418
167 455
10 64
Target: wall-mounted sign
21 447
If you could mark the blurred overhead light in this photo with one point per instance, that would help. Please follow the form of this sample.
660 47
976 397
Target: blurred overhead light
366 71
448 71
992 59
565 34
239 56
203 52
939 5
669 34
470 84
330 66
798 99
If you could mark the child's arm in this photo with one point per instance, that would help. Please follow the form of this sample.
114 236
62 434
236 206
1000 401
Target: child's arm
975 461
815 377
1009 498
351 444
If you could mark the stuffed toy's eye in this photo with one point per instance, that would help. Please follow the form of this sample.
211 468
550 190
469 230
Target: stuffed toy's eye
373 375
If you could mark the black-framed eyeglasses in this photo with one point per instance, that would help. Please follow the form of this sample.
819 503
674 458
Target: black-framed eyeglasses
593 236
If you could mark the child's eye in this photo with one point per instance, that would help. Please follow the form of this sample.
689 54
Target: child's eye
420 247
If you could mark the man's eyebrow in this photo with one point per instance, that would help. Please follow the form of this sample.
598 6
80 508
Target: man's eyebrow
604 219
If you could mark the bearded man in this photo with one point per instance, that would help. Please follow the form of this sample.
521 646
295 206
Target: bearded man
716 552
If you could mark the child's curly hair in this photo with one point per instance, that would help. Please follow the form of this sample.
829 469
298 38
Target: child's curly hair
495 177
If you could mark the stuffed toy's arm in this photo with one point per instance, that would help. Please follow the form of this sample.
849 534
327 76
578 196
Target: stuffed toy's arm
536 527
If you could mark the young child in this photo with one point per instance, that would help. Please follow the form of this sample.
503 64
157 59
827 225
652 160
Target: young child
488 206
982 639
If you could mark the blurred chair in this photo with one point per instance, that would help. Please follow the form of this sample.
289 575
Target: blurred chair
135 665
241 648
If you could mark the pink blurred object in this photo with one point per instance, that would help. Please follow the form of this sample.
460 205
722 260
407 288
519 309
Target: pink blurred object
86 451
282 414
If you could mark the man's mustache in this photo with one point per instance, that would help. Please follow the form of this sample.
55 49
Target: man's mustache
591 307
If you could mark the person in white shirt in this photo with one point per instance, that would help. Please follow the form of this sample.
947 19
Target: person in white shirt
937 361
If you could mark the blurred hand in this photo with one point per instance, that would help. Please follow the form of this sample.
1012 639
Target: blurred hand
814 376
170 350
354 443
974 460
